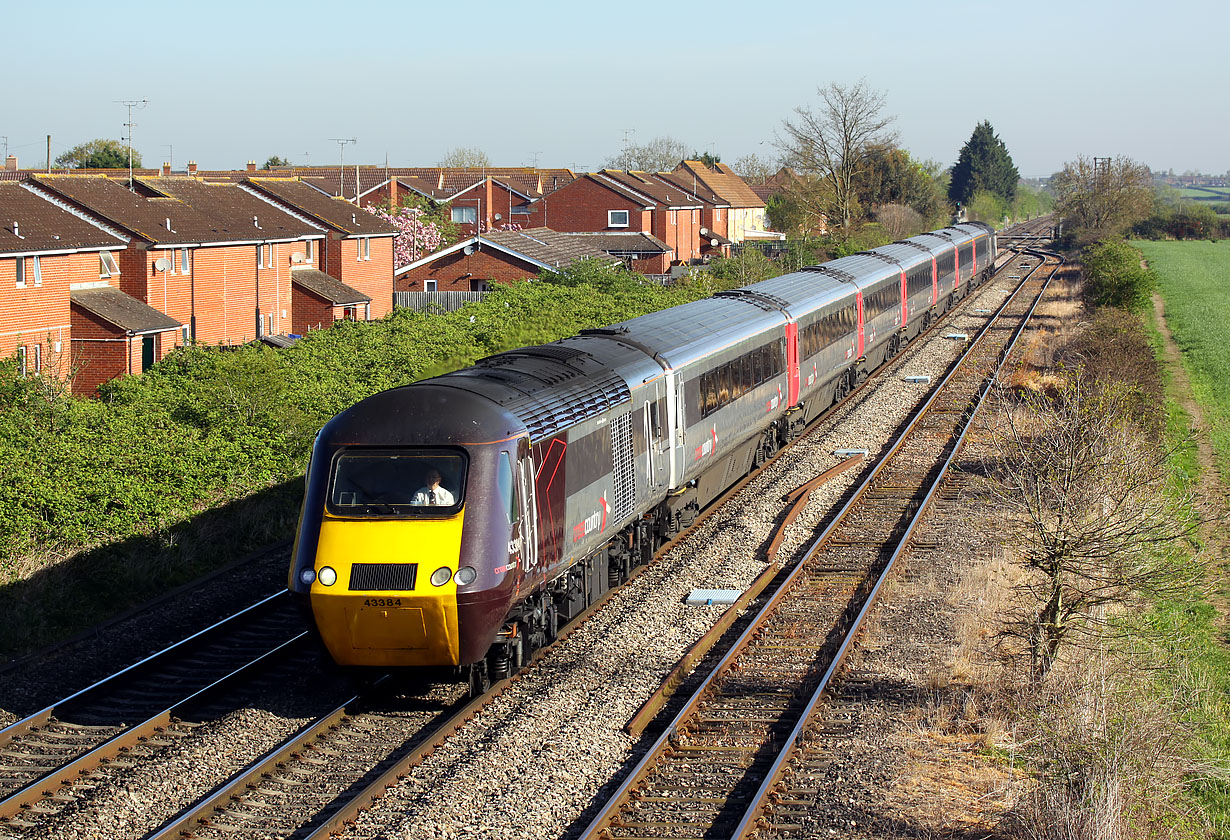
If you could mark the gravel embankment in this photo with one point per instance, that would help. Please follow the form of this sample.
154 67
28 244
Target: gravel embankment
531 764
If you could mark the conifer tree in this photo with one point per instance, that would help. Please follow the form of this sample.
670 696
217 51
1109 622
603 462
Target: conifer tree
984 164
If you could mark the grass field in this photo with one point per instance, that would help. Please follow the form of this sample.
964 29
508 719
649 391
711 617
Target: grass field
1194 280
1206 193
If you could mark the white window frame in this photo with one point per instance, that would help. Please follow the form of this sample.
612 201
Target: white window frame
429 285
185 262
21 360
611 215
672 217
38 273
107 267
174 259
464 215
21 272
38 358
186 332
367 247
307 249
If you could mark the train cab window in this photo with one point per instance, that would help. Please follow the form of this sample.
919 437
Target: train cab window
506 488
397 483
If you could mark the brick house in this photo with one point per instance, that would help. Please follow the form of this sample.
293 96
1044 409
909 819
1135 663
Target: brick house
714 214
498 256
321 299
45 252
611 200
643 253
357 249
746 208
114 335
213 257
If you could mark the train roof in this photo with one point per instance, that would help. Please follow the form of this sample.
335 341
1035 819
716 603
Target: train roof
423 414
681 334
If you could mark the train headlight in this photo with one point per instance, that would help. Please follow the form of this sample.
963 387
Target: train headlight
465 576
327 576
441 576
307 576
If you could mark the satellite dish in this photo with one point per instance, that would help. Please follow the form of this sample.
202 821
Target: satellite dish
498 217
162 264
467 250
298 257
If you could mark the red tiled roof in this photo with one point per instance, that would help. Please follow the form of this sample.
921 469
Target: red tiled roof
723 181
662 192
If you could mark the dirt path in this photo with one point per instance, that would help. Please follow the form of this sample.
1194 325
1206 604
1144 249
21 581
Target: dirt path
1211 493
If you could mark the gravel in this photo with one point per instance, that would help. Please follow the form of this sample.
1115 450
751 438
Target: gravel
531 764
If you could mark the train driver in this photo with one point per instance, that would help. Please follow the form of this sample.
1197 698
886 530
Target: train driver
432 493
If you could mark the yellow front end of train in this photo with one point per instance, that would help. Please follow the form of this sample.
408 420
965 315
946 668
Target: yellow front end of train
393 600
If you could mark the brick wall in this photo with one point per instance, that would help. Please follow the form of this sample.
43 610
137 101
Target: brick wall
315 313
100 352
224 288
373 277
39 315
582 207
457 272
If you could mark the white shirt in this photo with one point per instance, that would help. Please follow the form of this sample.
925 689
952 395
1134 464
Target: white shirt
428 496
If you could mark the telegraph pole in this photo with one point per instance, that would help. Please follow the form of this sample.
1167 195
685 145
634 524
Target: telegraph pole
130 104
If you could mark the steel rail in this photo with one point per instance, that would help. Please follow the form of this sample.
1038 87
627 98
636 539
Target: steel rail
41 717
62 776
642 769
760 799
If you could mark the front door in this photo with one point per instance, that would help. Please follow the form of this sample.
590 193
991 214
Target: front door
147 352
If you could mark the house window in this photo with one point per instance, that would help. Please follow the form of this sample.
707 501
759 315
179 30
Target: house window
106 265
307 249
465 215
21 272
186 331
174 260
674 216
38 358
617 218
184 262
429 285
38 275
266 256
21 361
367 247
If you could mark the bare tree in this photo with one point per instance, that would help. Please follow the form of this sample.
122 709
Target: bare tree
1090 510
832 143
465 157
1098 197
755 169
899 221
660 154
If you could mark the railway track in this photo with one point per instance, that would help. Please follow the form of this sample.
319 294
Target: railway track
712 770
109 724
404 732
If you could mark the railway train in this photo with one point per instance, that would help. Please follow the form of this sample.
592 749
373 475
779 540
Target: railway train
460 520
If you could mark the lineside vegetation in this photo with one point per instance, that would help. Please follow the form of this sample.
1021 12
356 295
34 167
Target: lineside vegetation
106 502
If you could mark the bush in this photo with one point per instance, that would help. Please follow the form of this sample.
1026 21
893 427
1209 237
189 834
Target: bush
1115 276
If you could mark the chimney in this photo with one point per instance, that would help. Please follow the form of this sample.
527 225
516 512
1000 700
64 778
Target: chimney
251 166
393 194
192 167
10 163
166 169
17 231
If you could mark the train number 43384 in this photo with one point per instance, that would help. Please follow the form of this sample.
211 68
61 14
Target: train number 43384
382 602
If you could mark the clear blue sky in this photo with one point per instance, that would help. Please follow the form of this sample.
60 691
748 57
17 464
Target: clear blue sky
559 83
